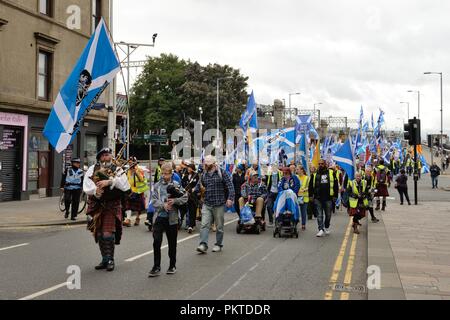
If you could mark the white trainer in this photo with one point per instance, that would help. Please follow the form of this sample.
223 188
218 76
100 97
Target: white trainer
217 249
327 232
320 234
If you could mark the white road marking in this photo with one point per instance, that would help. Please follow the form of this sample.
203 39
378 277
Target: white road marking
246 274
13 247
179 241
59 286
218 275
41 293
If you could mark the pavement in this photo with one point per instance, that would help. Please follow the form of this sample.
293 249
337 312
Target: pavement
35 213
410 246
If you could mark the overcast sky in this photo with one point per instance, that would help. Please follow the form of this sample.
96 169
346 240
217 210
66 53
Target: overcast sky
344 53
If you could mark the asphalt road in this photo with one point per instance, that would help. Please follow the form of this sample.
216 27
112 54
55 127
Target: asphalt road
250 266
34 262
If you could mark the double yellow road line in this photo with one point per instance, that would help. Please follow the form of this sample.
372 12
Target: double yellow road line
339 263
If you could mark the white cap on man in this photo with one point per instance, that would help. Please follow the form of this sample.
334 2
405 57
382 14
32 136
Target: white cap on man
210 160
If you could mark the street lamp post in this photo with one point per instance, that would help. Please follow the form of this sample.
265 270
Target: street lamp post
407 103
418 101
134 47
290 99
314 116
442 107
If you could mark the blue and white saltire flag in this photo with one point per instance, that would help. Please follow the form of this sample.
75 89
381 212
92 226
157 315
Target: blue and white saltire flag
249 118
425 167
345 159
303 152
304 125
365 127
388 155
361 118
95 69
281 139
287 201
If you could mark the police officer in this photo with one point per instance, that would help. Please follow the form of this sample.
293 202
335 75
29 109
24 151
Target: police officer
71 185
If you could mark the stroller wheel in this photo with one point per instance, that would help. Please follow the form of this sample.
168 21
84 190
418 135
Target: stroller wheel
257 229
238 228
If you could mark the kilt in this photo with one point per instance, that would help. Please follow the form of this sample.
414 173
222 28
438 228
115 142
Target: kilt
360 212
135 202
382 190
107 218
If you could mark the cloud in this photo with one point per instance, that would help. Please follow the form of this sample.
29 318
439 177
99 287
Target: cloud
342 53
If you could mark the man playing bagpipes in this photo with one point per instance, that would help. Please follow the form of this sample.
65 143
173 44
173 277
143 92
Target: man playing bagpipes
105 183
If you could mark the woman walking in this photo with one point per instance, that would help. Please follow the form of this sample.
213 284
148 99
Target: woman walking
402 186
358 191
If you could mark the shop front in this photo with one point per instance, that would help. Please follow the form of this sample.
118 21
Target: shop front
13 156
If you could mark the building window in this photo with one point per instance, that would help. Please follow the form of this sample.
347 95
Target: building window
45 7
96 13
44 73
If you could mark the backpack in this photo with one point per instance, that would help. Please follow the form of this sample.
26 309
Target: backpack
382 175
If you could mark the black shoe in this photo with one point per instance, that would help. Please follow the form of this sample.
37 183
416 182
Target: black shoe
66 216
375 220
155 272
172 270
73 219
110 266
101 266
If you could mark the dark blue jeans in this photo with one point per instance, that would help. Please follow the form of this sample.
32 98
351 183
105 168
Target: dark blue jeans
323 209
434 181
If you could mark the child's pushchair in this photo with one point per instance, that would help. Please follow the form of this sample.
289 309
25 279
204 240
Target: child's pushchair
287 213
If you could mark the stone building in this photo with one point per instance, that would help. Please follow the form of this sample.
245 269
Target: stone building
41 41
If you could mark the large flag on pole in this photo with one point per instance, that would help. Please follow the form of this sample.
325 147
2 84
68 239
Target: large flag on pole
249 123
95 69
345 159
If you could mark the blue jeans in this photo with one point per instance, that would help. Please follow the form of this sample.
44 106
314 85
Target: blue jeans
323 208
434 181
210 215
304 211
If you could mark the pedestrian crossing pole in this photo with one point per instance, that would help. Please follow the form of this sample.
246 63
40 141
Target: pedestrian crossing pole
416 174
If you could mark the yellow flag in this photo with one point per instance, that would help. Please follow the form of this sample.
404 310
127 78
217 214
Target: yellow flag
316 157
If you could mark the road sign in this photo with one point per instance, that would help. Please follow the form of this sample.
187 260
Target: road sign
152 138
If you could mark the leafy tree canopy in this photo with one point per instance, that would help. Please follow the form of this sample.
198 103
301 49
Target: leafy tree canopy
169 87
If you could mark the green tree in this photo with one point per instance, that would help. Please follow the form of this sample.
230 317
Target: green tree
156 96
170 88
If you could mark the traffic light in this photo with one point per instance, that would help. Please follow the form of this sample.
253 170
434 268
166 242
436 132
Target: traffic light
412 132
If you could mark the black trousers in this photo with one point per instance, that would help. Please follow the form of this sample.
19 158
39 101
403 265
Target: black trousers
183 212
403 193
162 225
72 199
271 199
192 206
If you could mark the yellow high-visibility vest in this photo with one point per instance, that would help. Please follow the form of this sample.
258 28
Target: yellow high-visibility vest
354 201
305 184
